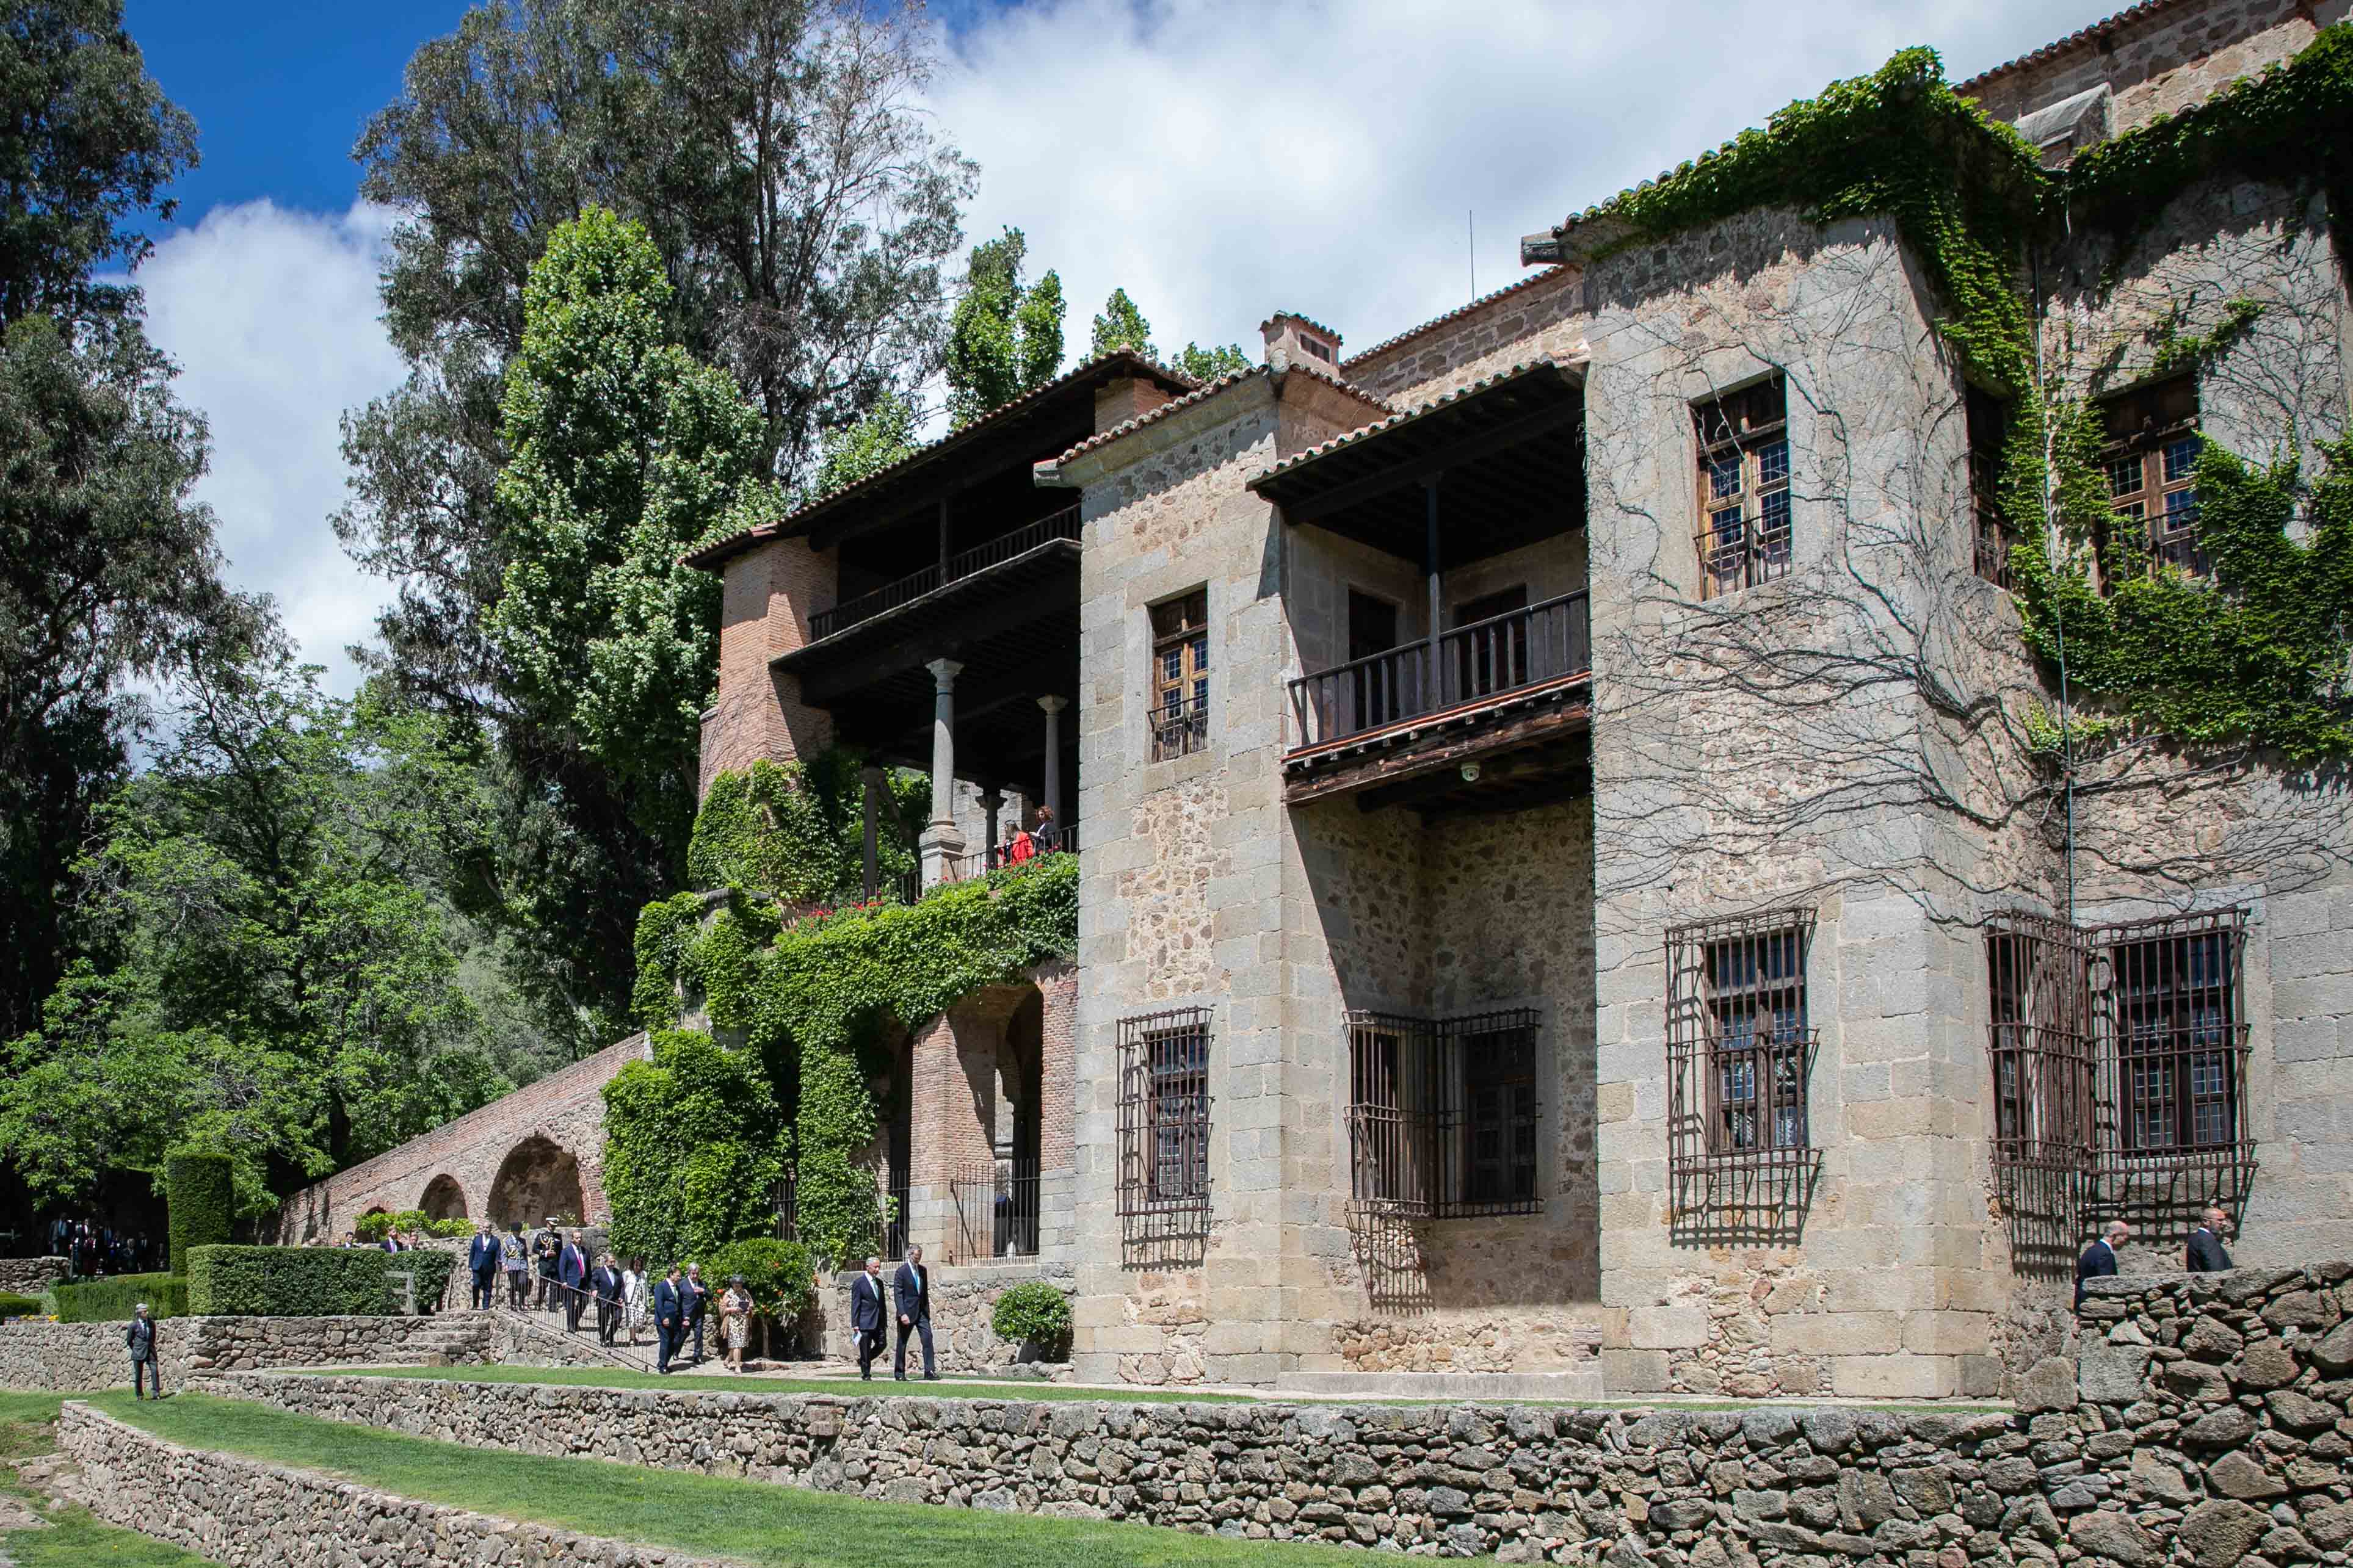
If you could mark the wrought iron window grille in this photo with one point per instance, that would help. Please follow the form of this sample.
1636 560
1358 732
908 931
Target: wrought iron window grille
1442 1114
1163 1114
996 1207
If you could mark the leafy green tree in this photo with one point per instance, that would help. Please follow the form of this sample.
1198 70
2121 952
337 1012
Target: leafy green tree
803 208
87 141
108 568
272 975
884 435
1207 365
1122 326
625 453
1004 337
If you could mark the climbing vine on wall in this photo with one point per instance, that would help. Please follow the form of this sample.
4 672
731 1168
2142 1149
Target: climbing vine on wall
2255 655
796 830
695 1139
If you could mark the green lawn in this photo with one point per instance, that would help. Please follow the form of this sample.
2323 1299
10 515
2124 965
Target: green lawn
754 1521
73 1538
721 1383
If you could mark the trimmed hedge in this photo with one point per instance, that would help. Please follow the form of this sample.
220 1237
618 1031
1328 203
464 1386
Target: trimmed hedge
15 1306
1033 1313
111 1301
309 1281
200 1195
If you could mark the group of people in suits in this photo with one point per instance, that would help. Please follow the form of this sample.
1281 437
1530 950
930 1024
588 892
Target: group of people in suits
911 1292
92 1251
2203 1253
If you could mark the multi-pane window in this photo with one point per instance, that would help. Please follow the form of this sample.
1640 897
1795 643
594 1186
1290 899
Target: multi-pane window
1180 676
1442 1114
1744 487
2176 1011
1164 1111
1989 431
2126 1043
2151 460
1740 1046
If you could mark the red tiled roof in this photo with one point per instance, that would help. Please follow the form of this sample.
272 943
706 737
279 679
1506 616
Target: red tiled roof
711 556
1456 314
1305 321
1202 395
1405 416
2090 35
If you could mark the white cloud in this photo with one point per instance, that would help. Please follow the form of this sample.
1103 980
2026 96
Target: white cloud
1222 159
271 314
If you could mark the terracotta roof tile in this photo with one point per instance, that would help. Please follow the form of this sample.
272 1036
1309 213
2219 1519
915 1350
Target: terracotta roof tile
2090 35
1303 319
1456 314
1404 417
1202 395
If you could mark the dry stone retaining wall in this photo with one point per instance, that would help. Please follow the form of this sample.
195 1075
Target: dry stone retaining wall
243 1511
70 1357
30 1276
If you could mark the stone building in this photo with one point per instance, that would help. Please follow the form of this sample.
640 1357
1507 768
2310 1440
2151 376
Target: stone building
1572 886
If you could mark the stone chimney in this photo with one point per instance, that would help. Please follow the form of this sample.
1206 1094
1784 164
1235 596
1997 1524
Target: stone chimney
1296 340
1129 397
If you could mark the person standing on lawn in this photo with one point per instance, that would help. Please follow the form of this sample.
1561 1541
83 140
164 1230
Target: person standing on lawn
735 1322
867 1316
669 1318
146 1366
482 1263
912 1288
698 1302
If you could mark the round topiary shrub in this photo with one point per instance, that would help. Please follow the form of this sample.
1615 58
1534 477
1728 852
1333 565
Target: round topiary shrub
1034 1313
200 1193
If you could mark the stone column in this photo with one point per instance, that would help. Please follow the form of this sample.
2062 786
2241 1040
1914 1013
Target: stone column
941 840
1053 706
992 802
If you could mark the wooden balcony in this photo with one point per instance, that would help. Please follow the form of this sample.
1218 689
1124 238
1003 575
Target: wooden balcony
1005 547
1502 693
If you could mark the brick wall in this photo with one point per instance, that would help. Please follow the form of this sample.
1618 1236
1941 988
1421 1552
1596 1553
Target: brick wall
564 1112
770 592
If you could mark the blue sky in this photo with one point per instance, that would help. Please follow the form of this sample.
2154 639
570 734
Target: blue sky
1217 159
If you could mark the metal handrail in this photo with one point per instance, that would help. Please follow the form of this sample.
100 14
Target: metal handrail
1063 524
1486 658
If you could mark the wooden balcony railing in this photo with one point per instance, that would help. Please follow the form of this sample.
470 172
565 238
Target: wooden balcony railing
1062 524
1486 658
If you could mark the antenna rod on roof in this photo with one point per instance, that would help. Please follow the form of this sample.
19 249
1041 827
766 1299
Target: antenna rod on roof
1470 228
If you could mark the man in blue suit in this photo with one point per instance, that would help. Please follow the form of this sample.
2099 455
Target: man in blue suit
482 1263
572 1268
912 1287
2099 1260
669 1318
867 1316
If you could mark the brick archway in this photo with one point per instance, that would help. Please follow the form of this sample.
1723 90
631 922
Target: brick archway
444 1198
537 1179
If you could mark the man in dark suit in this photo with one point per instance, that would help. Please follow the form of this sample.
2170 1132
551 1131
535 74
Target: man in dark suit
544 1248
669 1318
867 1316
572 1274
2099 1260
604 1284
482 1263
2206 1253
911 1287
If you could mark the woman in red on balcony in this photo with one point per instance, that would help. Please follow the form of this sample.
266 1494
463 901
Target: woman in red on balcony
1023 848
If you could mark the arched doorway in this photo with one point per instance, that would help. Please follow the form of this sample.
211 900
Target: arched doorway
444 1198
537 1180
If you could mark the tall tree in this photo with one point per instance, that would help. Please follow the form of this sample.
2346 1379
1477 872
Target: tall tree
1005 335
1122 326
884 435
1207 365
272 971
801 207
627 453
108 567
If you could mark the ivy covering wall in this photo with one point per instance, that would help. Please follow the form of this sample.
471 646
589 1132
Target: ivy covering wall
2255 653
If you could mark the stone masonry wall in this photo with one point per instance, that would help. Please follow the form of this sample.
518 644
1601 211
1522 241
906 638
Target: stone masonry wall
565 1109
2219 1442
243 1511
963 1302
30 1276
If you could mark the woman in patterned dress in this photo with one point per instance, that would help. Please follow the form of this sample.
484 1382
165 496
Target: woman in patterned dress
735 1320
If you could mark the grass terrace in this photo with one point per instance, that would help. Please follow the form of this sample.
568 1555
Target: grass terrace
73 1538
751 1522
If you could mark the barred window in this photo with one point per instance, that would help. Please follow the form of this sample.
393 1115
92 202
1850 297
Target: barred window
1442 1114
2152 459
2038 972
1180 676
2170 989
1164 1111
1744 487
1740 1045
